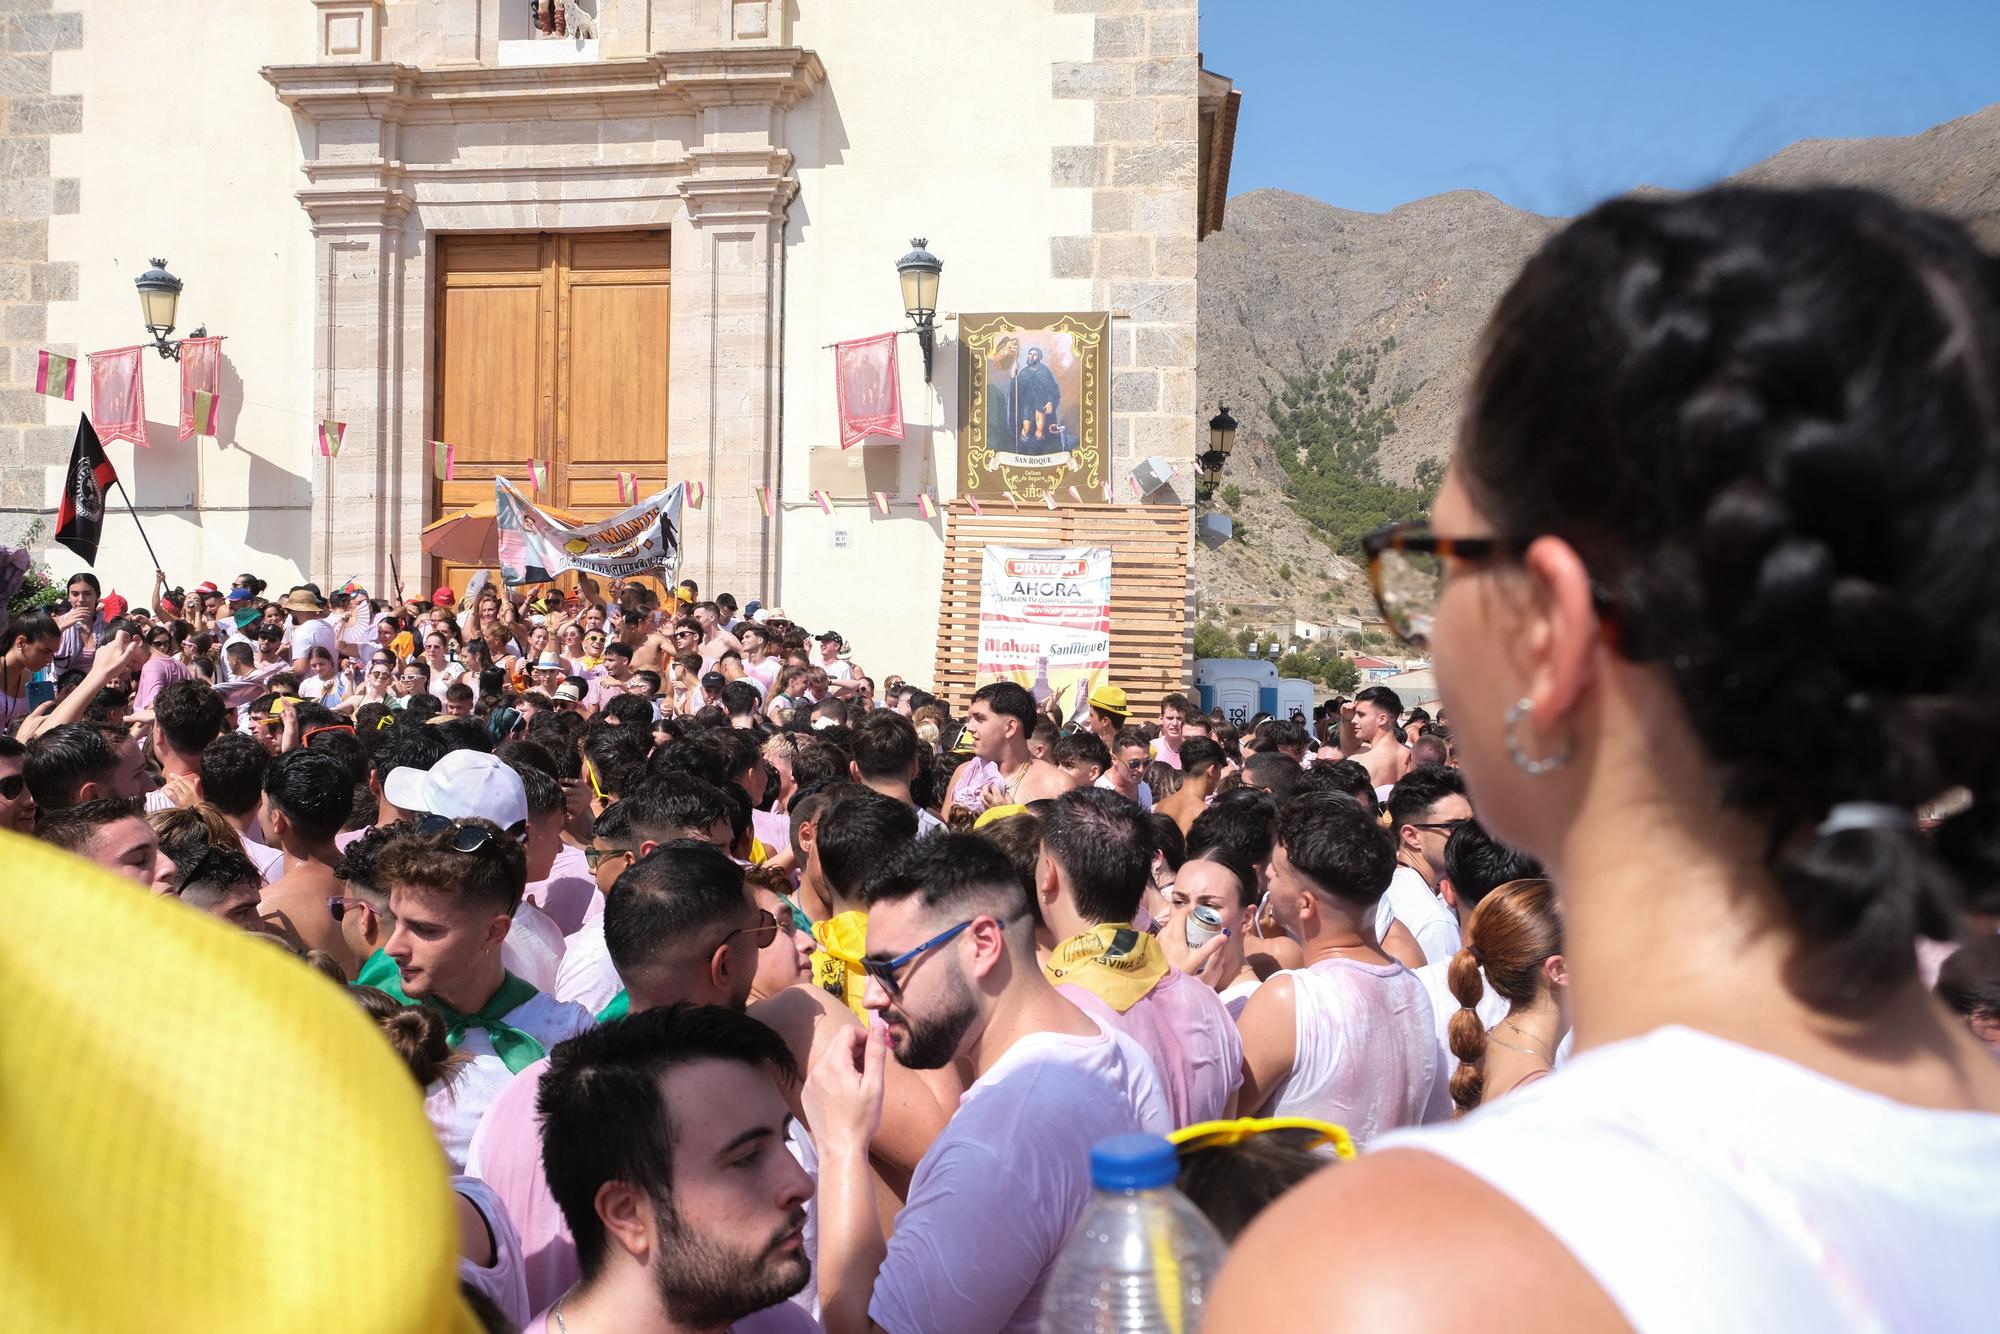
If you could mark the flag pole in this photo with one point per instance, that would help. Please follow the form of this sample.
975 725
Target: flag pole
126 496
397 576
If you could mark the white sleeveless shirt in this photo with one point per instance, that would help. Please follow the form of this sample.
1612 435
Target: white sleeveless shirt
1708 1186
1365 1056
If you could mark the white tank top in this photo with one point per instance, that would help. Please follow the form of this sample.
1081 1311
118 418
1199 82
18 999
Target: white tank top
1365 1055
1707 1186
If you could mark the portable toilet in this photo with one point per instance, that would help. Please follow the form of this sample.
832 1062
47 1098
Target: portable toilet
1236 686
1293 695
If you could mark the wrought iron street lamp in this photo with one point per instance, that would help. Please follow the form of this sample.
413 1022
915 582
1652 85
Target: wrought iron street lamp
159 303
919 272
1221 443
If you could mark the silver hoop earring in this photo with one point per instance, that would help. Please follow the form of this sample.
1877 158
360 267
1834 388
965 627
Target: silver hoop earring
1516 711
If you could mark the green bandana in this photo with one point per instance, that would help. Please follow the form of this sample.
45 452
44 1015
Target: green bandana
518 1049
616 1008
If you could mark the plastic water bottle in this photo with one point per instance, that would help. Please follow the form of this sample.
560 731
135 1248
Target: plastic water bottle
1142 1257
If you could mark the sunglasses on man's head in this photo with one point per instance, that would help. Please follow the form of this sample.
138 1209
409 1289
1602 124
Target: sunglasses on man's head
466 838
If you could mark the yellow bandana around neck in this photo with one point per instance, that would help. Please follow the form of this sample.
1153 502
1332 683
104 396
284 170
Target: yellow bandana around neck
1113 961
836 964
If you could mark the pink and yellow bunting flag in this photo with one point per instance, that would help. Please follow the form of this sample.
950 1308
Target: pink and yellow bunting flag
444 460
330 435
1107 493
1076 495
764 500
825 503
628 488
926 506
1049 499
204 406
696 493
973 502
538 476
1015 501
881 502
55 375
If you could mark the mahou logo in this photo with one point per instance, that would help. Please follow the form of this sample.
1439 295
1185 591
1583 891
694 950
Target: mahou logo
1046 569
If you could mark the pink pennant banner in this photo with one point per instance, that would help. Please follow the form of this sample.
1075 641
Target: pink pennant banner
881 502
55 375
1076 495
444 460
331 433
628 488
973 502
1132 482
1049 499
867 389
825 504
764 500
118 396
696 493
538 477
926 506
201 372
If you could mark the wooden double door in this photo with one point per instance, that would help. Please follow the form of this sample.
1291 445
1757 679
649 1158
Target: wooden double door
552 347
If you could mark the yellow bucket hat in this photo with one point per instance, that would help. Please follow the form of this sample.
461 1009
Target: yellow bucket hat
200 1133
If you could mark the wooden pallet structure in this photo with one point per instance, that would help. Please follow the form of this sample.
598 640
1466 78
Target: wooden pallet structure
1150 581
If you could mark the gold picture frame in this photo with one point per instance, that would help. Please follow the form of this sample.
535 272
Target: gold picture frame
1037 405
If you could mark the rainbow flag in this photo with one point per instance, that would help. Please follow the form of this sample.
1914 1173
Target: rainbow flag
330 434
55 375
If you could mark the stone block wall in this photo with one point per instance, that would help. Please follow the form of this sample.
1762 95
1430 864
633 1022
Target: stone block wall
31 32
1142 169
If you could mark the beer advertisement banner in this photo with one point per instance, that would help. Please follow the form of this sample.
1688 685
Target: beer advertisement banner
1045 620
535 546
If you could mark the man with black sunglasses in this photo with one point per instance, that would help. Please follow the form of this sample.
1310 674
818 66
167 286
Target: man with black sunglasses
1425 808
953 976
17 804
454 886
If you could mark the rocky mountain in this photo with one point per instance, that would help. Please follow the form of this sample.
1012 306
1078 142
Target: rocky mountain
1290 281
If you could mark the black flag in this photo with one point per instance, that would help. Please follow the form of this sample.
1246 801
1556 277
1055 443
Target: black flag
80 521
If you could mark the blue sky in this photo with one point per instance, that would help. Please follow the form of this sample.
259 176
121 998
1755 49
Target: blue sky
1553 104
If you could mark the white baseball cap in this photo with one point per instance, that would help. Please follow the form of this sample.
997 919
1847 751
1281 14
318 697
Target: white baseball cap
464 785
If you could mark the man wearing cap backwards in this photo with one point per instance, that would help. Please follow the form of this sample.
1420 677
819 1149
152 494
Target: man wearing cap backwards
456 913
953 977
310 628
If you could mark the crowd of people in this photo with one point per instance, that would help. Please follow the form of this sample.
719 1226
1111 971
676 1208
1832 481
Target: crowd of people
742 993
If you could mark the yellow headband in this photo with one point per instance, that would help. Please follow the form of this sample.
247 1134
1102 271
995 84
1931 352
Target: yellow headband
1213 1134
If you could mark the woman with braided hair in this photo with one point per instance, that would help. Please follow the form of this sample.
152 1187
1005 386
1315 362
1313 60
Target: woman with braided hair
1722 451
1514 946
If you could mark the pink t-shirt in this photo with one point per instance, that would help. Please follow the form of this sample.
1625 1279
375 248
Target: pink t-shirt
784 1318
157 675
506 1153
1186 1029
996 1194
565 896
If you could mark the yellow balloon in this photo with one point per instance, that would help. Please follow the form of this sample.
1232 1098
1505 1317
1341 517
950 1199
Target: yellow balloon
199 1132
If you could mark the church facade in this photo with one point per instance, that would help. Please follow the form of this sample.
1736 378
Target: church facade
614 238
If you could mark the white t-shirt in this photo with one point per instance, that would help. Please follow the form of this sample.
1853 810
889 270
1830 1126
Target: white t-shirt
587 976
995 1196
1237 995
533 949
1412 902
1491 1010
455 1108
316 633
840 669
1145 790
270 862
1366 1056
1775 1198
504 1281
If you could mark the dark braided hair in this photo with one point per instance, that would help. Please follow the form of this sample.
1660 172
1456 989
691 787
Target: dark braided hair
1767 422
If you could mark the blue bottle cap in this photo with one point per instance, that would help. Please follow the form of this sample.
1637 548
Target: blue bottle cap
1133 1162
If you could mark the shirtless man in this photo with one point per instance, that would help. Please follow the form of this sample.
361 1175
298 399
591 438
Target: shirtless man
1368 736
1000 719
307 798
1201 768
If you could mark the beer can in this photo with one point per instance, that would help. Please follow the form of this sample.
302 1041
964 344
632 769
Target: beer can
1203 925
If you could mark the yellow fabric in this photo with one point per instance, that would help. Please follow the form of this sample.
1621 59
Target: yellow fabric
836 964
1112 961
200 1133
993 813
404 645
